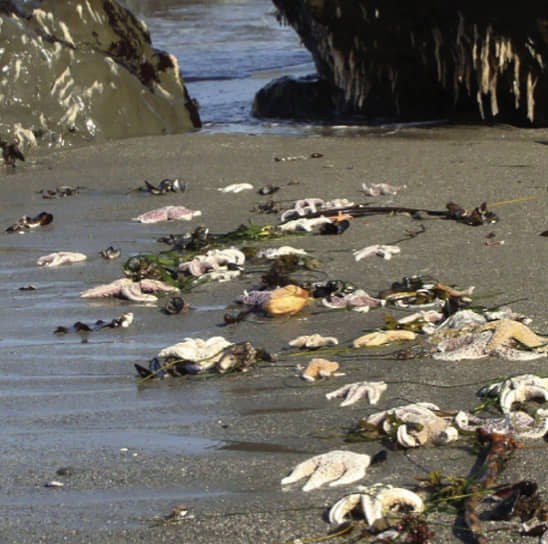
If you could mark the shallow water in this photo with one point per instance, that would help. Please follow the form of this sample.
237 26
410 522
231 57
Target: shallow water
227 51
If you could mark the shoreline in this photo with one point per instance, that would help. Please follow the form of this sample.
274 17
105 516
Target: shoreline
221 445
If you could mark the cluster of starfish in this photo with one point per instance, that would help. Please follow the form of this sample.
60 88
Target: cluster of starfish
216 264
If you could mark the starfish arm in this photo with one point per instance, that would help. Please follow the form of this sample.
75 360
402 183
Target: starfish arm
135 294
356 392
351 475
375 390
340 392
301 470
505 329
326 472
106 290
342 507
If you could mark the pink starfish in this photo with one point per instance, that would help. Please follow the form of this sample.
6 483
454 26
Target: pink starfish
130 290
166 213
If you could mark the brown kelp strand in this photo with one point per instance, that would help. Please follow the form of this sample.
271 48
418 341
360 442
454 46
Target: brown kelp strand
475 217
498 449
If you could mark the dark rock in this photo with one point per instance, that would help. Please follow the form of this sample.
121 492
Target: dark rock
302 99
425 59
75 72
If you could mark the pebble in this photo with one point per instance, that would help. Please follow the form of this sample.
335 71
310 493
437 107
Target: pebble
54 483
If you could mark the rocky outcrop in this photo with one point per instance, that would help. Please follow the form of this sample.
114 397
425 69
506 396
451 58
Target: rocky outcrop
78 71
424 59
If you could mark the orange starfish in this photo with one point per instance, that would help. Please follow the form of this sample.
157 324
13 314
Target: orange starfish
507 329
340 217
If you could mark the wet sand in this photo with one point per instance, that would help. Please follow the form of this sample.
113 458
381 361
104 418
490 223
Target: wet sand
221 445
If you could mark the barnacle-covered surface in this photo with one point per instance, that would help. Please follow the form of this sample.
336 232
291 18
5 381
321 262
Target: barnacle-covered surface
75 72
423 58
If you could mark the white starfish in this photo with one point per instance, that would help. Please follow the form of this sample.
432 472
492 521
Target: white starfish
60 257
518 424
130 290
166 213
313 341
304 224
376 502
215 264
337 467
383 251
273 253
415 424
196 353
302 208
196 349
235 188
359 301
353 392
518 389
377 189
338 203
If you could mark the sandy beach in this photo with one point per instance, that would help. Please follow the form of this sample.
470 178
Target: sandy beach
72 411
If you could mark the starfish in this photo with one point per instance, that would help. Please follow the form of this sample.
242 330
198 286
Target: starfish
380 338
353 392
376 501
517 389
197 354
337 467
517 424
59 258
414 424
302 208
338 203
130 290
215 264
313 341
359 301
319 368
509 329
383 251
196 349
377 189
494 338
304 224
287 300
166 213
274 253
235 188
254 297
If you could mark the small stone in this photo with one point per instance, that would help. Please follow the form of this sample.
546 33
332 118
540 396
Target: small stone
54 483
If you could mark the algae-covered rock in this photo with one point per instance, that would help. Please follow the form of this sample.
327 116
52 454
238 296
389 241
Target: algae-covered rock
420 59
79 71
